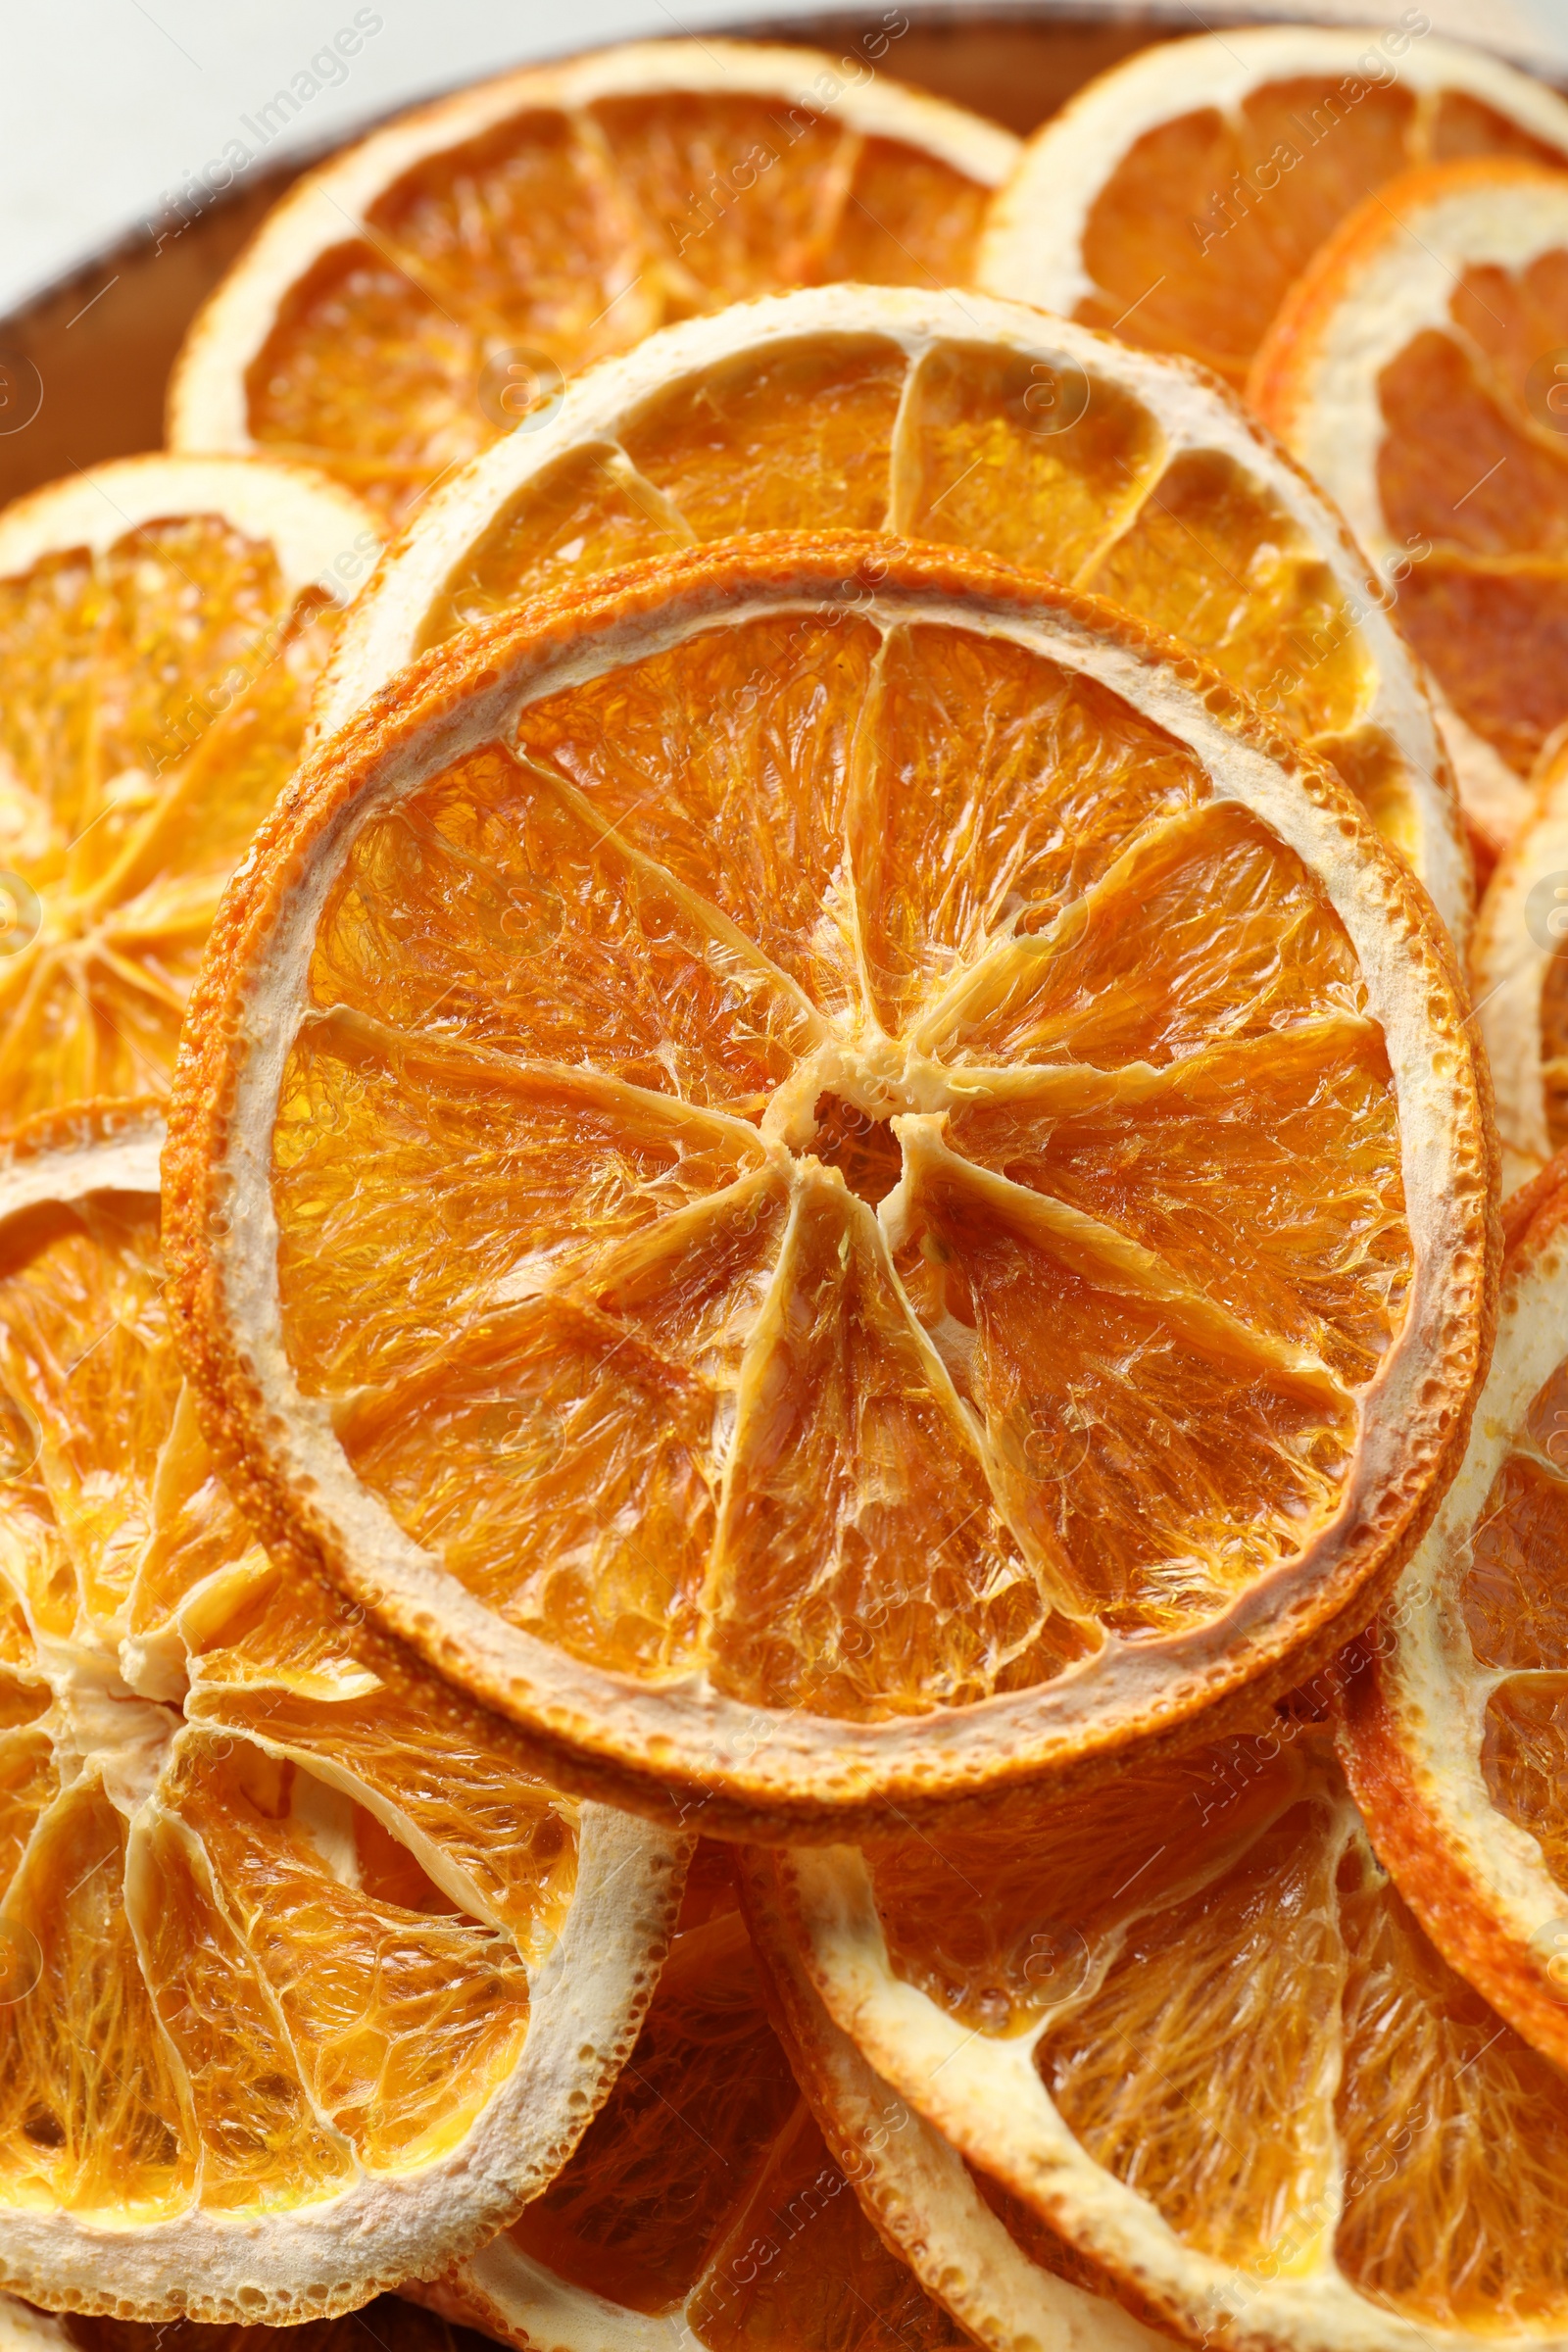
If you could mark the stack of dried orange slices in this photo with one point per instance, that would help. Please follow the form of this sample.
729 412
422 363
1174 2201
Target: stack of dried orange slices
819 1187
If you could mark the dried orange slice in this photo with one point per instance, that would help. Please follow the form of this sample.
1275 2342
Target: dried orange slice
307 1979
416 295
1519 964
835 1179
162 621
955 418
703 2207
1175 199
1420 369
1458 1729
980 2251
1189 2023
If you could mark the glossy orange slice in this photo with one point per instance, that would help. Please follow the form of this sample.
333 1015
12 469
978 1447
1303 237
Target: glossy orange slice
835 1180
422 291
1420 370
307 1979
1519 979
1458 1731
1176 198
1188 2024
974 423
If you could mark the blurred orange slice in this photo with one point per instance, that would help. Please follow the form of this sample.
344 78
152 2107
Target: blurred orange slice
1420 370
1519 979
956 418
413 298
1174 200
834 1179
162 622
1459 1733
307 1979
1188 2024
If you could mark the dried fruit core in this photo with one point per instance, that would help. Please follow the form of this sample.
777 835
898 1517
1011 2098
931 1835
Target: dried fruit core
861 1147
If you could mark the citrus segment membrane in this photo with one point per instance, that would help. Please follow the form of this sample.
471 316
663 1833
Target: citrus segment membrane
703 2205
1189 2021
726 1355
1176 199
162 623
287 1928
967 421
432 287
1413 370
1456 1730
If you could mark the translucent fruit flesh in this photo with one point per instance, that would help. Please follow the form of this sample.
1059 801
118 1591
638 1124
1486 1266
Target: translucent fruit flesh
233 1984
972 446
1238 2018
1194 240
1473 473
154 700
703 2191
566 237
832 1096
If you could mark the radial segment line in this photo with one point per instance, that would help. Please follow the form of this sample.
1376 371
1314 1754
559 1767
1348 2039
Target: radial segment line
1117 1262
437 1864
139 983
1068 1086
190 773
903 447
1027 955
659 259
862 803
632 1256
1125 515
185 910
1056 1583
140 1870
357 1036
709 918
749 1378
653 504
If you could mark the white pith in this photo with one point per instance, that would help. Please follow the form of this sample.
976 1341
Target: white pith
1509 967
1432 1686
208 395
701 1735
389 623
1033 246
587 1987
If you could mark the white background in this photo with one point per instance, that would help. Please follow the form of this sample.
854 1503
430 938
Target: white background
105 105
